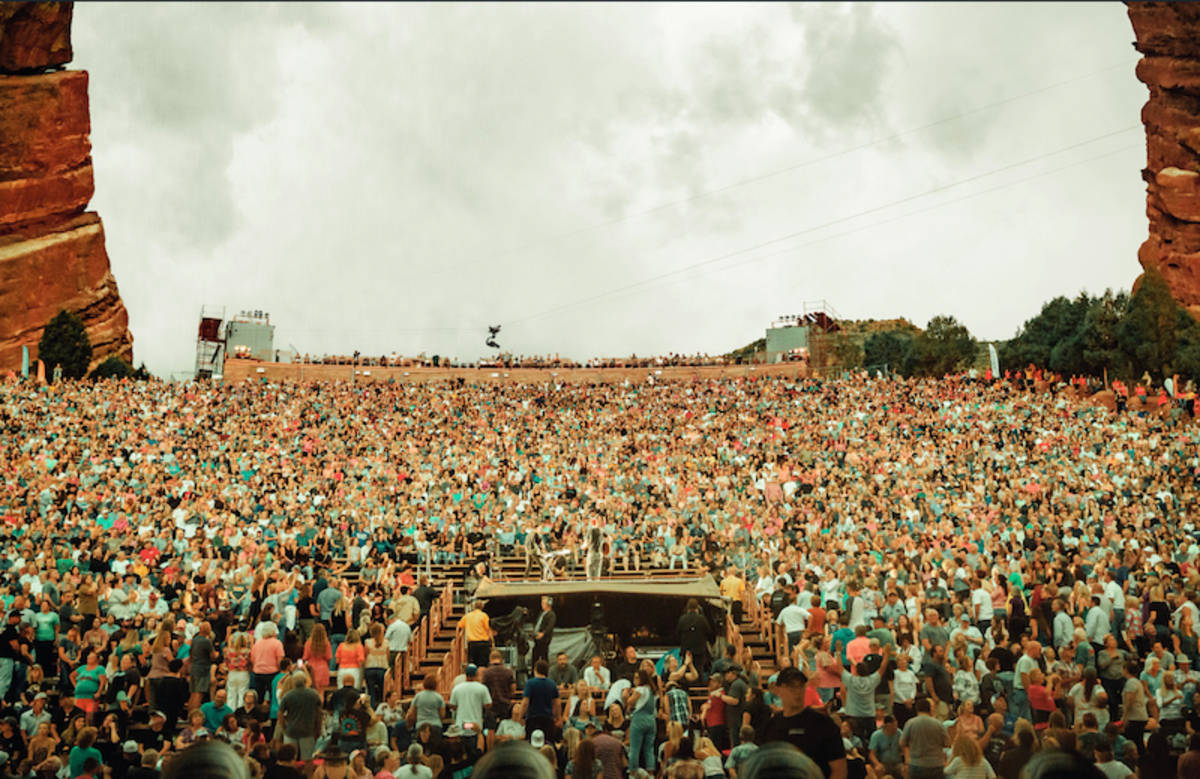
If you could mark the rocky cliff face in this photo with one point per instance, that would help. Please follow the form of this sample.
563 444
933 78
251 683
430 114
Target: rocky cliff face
1168 36
51 250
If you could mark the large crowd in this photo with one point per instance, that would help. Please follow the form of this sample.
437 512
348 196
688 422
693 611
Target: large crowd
968 578
505 360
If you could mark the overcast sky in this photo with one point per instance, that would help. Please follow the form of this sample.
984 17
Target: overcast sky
606 179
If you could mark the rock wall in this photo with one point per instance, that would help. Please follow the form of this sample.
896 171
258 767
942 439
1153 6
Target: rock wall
1168 36
51 249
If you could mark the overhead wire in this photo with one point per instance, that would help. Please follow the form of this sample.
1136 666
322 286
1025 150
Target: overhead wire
811 229
668 275
915 212
549 239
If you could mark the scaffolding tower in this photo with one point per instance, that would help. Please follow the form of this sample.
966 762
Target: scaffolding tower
210 343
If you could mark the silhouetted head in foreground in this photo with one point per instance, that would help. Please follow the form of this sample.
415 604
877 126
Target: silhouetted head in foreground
206 760
515 759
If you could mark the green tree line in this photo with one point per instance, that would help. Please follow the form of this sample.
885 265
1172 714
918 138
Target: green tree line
945 346
1126 335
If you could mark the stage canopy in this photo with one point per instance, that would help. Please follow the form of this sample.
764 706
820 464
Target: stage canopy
641 611
704 589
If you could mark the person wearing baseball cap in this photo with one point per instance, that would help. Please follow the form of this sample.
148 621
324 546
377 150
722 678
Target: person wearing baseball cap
130 758
808 729
469 699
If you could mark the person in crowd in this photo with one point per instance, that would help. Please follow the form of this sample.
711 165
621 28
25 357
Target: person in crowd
1028 556
476 629
563 672
925 741
806 728
543 630
469 699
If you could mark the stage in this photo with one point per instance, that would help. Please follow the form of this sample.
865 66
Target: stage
640 611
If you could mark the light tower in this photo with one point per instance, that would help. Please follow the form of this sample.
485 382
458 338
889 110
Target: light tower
210 343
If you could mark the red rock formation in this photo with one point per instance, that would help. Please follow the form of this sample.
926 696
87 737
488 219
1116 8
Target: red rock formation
51 252
34 36
1168 36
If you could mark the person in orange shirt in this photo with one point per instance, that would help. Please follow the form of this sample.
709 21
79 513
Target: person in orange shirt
733 587
816 617
476 629
351 654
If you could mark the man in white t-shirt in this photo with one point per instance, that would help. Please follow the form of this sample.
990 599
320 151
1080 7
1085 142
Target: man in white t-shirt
856 607
981 606
794 619
469 700
904 686
397 635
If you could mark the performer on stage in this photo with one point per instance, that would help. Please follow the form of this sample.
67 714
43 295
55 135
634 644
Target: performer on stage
533 548
595 544
543 631
551 561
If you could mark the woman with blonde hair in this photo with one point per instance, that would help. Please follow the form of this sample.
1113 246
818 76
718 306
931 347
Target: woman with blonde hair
161 654
668 748
339 622
317 656
580 708
616 717
375 665
1170 704
968 722
129 644
286 683
571 739
709 757
237 667
966 761
350 657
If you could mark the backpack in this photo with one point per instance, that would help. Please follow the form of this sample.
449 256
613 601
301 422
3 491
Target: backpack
778 601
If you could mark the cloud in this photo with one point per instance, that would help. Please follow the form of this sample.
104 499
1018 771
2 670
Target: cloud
172 87
388 177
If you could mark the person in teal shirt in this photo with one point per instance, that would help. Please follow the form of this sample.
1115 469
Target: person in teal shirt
45 638
89 680
83 750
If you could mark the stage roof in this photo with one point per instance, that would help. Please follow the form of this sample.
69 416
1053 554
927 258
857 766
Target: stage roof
704 589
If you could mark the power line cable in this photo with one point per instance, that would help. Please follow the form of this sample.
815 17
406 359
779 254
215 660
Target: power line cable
779 172
935 206
814 228
644 283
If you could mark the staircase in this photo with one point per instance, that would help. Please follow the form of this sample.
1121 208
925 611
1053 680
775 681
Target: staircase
434 647
757 633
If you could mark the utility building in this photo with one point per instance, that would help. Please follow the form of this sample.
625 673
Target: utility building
251 335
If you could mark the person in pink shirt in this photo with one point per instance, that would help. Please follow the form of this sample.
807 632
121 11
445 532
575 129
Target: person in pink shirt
859 646
265 655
